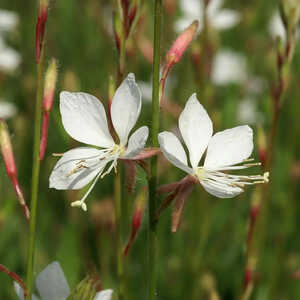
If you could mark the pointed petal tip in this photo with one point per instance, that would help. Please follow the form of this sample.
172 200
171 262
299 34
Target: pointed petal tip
131 76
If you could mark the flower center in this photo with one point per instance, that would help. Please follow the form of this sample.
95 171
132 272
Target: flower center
118 150
200 173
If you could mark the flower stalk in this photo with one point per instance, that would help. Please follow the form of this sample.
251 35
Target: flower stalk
290 14
10 166
152 239
40 33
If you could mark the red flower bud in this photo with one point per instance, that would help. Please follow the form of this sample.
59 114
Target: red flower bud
40 29
50 84
136 219
10 166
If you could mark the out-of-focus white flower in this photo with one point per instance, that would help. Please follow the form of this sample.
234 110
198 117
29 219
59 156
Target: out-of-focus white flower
52 285
7 109
276 27
228 67
8 20
217 16
226 150
247 111
9 58
84 119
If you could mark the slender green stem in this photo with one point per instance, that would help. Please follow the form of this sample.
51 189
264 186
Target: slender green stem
154 132
35 177
118 215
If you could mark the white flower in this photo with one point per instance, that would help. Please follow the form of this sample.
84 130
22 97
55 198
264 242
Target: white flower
276 27
225 150
228 67
84 118
7 109
52 285
9 58
247 111
8 20
217 17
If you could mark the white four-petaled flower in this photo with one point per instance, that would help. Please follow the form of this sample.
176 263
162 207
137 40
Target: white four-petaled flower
52 285
84 118
226 150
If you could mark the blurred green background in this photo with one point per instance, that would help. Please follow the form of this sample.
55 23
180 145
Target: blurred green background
208 253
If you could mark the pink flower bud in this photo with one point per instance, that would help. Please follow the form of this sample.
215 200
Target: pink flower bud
10 166
40 28
7 151
50 84
136 219
181 44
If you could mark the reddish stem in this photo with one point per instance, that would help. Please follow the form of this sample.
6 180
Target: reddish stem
44 139
14 277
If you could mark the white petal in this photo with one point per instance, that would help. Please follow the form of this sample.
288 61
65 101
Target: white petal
226 19
137 142
84 118
221 190
196 129
63 176
20 292
229 147
126 107
104 295
173 150
52 284
8 20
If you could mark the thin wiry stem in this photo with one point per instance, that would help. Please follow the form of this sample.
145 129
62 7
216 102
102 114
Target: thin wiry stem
35 177
260 201
152 239
119 246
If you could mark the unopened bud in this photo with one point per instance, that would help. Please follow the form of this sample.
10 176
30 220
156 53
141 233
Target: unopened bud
7 151
40 28
136 218
10 166
49 90
175 53
262 145
290 13
118 32
181 43
86 289
50 84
